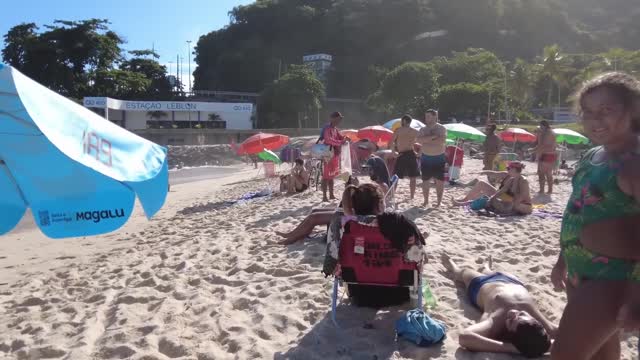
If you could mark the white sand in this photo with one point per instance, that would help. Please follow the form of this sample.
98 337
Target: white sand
204 282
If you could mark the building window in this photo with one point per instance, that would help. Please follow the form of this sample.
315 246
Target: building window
216 124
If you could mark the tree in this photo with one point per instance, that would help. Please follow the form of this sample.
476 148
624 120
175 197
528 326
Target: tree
463 100
159 87
214 117
411 87
294 96
521 78
80 58
553 68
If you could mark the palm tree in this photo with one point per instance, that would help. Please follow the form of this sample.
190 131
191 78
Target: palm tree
521 82
554 68
214 117
156 115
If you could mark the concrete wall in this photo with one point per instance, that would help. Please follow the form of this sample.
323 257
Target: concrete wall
212 136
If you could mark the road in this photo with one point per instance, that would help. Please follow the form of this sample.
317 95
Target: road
184 176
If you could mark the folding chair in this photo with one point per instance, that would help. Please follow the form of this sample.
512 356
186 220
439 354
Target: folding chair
390 196
366 257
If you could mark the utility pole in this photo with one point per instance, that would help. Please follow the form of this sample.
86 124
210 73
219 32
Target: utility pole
489 109
178 83
506 98
189 45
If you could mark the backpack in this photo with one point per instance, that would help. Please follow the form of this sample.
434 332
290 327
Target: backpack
417 327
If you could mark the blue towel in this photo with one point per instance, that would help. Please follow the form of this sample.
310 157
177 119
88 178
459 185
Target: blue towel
416 326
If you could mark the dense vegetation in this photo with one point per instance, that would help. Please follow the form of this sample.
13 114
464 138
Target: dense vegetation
399 55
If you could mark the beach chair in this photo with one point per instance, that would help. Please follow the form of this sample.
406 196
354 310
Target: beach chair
390 196
366 257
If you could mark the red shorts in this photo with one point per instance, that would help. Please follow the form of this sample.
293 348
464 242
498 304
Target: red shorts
548 158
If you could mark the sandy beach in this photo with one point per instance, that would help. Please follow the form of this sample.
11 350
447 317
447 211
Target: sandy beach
205 280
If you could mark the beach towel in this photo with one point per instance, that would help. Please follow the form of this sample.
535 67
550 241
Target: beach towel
417 327
251 196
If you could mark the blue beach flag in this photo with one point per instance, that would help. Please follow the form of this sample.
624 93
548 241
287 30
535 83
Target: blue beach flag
78 172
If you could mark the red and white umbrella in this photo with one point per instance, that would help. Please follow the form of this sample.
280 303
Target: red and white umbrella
517 135
262 141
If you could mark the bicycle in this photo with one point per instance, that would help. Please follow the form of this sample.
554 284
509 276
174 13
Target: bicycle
315 172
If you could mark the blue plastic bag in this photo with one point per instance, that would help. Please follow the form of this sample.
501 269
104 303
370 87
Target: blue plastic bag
417 327
479 203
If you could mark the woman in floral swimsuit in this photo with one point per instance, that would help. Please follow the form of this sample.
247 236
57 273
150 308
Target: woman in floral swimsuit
606 189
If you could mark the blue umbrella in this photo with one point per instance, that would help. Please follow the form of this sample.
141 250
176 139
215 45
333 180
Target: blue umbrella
78 172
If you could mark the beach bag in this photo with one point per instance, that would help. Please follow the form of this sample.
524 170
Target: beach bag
321 151
345 162
479 203
417 327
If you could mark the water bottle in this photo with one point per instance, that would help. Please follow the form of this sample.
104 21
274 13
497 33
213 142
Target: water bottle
427 296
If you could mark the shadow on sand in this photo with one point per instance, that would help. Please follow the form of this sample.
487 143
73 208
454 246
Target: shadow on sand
363 334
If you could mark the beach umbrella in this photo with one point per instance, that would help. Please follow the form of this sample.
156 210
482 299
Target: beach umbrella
570 137
394 124
376 134
464 132
262 141
78 172
517 135
268 155
351 134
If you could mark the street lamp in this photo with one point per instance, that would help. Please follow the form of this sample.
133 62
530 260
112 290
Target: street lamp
189 45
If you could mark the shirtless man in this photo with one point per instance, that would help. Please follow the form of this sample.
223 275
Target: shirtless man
546 155
433 138
510 322
407 163
491 147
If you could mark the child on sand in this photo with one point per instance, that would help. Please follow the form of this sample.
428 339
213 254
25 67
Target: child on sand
599 249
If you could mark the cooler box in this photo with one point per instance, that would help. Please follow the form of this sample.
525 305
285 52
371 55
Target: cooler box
269 169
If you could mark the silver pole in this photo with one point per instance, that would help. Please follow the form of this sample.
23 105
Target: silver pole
189 44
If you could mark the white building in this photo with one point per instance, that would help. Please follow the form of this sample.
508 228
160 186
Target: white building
137 115
321 65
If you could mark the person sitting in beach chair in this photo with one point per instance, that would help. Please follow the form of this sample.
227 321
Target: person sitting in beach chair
512 197
511 321
378 172
379 255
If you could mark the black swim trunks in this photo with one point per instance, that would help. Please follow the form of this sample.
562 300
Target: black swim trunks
407 165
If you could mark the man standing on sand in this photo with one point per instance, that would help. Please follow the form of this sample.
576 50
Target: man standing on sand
546 155
491 147
331 169
433 139
407 163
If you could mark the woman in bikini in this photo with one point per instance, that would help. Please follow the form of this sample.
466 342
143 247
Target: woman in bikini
513 196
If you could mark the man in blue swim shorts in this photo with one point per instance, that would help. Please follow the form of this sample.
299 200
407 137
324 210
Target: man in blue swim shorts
511 321
433 138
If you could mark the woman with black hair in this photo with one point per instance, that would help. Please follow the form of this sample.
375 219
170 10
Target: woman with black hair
364 204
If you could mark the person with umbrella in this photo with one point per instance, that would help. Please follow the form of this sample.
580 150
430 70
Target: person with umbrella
546 155
331 169
491 147
406 165
433 138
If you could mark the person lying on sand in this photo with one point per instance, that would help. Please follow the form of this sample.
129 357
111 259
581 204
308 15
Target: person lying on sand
513 196
317 217
297 181
511 321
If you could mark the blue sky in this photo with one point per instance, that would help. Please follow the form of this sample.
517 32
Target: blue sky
167 24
